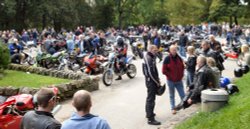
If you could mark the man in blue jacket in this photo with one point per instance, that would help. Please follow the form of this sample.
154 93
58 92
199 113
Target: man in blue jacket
82 119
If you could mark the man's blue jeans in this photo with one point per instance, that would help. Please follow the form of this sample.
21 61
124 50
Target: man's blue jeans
182 51
180 89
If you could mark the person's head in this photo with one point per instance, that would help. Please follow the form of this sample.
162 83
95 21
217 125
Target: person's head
120 42
201 61
153 49
211 38
244 48
173 50
82 101
46 98
15 41
205 45
81 37
190 50
211 62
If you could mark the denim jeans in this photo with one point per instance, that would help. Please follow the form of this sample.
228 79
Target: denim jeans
182 51
190 77
180 89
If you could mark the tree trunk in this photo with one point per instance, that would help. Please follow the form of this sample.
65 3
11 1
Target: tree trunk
44 20
20 15
236 20
231 21
120 20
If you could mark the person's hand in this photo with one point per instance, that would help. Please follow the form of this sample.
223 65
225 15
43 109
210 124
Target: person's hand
15 50
187 89
189 101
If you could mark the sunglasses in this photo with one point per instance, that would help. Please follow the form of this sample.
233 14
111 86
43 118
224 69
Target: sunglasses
54 98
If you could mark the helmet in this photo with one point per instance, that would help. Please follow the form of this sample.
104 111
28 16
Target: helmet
238 72
232 88
245 68
161 90
224 81
120 42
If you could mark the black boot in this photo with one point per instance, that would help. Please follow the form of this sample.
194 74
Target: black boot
179 106
119 78
152 121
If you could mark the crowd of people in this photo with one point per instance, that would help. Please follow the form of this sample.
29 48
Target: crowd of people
204 66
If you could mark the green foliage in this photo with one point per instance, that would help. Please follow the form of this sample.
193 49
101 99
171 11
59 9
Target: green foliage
20 14
19 79
4 56
235 115
187 11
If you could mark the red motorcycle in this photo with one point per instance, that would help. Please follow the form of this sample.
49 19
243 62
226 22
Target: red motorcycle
93 63
13 109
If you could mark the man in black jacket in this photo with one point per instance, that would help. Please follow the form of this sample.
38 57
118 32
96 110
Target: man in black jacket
42 118
203 79
152 82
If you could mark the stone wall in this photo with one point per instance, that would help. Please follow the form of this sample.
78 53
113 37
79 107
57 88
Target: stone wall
66 90
47 72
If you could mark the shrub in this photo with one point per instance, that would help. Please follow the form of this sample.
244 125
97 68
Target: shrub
4 58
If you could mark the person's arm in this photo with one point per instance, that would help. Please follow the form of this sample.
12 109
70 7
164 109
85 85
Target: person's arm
165 65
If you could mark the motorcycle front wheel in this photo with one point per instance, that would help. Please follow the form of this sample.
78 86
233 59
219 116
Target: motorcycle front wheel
131 71
107 78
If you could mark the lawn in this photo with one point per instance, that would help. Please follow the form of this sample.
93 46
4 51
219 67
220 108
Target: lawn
236 115
19 79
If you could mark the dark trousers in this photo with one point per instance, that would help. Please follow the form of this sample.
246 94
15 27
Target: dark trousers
150 102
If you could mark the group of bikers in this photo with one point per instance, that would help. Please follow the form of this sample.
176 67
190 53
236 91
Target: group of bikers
204 65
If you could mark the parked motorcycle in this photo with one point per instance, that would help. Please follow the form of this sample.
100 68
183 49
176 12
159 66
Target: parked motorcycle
71 62
30 51
14 108
137 46
93 64
50 61
111 69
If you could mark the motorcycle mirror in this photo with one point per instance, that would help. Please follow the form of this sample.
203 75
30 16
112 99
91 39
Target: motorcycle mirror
19 103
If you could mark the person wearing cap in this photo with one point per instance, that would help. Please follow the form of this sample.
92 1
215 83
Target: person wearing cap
82 118
42 118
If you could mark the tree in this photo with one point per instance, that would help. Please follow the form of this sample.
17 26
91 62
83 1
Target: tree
104 14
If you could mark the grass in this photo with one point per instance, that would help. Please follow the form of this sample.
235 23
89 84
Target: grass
236 115
20 79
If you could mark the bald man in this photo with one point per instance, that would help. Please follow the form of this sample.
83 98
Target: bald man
82 118
173 69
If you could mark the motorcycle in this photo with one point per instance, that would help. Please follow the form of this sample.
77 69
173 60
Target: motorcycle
111 69
232 52
70 62
50 61
30 52
137 46
105 50
15 107
93 64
